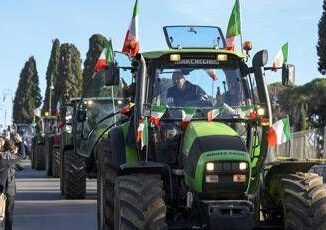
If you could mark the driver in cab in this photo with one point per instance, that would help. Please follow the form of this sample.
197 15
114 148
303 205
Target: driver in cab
183 91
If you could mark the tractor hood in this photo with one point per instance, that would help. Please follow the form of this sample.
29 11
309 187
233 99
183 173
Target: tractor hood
211 142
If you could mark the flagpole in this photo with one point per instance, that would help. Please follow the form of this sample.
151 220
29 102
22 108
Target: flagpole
241 42
113 103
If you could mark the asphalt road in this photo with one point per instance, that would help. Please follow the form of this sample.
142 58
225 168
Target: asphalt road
39 204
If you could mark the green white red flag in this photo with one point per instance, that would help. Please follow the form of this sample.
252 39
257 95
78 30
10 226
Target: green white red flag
281 57
157 113
142 132
211 73
188 113
234 26
131 43
279 132
211 115
106 57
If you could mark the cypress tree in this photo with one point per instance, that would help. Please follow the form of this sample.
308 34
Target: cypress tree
52 72
28 94
97 43
69 73
321 48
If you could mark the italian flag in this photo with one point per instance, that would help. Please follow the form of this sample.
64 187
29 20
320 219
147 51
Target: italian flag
281 57
188 113
142 132
279 132
131 43
105 58
211 115
211 73
234 26
156 114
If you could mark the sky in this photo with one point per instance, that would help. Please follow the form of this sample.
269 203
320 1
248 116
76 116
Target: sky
27 28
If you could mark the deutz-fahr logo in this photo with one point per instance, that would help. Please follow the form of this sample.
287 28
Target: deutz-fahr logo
196 62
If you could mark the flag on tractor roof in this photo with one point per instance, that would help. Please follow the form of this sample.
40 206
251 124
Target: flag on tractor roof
234 26
142 132
105 58
281 56
279 132
131 43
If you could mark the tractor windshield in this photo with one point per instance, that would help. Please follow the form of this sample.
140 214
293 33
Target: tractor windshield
200 88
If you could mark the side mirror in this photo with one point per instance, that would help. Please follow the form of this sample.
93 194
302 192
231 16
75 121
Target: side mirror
111 75
81 116
260 59
288 74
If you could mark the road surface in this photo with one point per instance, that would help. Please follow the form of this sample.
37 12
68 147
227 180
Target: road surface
39 204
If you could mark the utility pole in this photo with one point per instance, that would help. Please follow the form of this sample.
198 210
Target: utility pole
50 97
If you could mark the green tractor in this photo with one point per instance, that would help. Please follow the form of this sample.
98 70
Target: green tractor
192 153
86 120
45 128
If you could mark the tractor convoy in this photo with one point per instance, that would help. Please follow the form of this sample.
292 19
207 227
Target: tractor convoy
177 139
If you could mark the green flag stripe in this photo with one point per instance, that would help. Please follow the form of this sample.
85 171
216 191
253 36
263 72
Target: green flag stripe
109 52
234 26
136 9
286 128
285 52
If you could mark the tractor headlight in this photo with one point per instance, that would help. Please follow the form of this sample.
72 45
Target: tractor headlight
210 166
243 165
260 111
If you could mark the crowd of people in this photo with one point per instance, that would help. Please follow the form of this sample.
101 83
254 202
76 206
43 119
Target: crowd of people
11 153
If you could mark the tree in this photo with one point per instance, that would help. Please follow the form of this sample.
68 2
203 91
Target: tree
97 43
28 94
69 73
321 48
51 73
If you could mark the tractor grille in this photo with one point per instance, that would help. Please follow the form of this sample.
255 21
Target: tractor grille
226 188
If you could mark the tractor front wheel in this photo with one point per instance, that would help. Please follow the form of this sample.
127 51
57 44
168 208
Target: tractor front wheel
304 201
74 176
138 202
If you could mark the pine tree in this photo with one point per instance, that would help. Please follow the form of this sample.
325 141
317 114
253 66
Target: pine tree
28 94
97 43
321 48
51 73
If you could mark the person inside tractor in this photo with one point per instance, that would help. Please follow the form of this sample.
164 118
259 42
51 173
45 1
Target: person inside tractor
184 93
233 95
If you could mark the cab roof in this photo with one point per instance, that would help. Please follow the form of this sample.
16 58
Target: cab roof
158 54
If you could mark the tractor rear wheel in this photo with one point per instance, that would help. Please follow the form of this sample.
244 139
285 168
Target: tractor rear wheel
320 170
55 161
304 201
74 176
39 157
105 188
138 202
48 157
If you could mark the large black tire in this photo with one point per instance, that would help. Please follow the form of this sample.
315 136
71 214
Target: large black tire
48 157
304 201
105 188
55 161
138 202
320 170
62 172
39 157
31 156
74 176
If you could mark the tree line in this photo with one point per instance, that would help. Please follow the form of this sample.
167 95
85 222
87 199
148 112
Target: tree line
64 76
